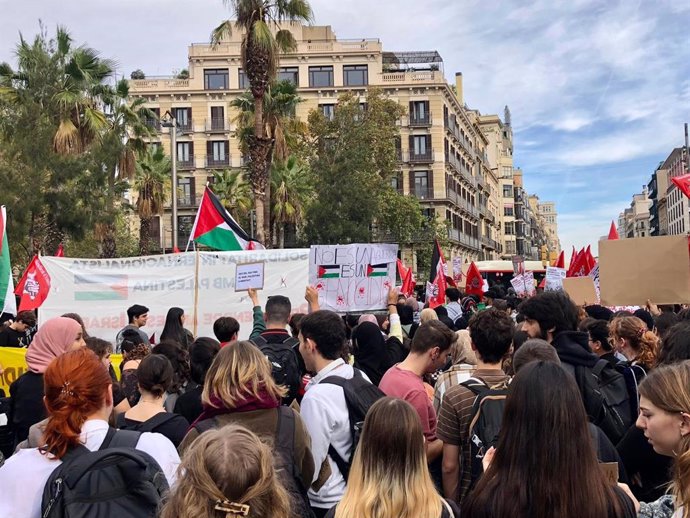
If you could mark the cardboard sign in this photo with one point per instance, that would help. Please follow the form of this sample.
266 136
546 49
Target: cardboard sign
610 470
353 277
581 290
518 265
634 270
554 278
523 284
249 276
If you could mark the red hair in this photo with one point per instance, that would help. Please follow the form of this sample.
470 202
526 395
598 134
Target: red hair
75 385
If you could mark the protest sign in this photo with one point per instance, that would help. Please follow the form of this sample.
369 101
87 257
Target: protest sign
201 283
554 278
249 276
634 270
581 290
518 265
353 277
594 274
457 269
518 284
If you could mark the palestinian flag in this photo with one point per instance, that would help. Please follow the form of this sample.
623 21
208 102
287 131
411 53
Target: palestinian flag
377 270
7 301
329 271
215 227
437 278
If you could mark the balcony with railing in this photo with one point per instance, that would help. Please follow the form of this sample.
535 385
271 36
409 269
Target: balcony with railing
459 236
185 127
216 161
340 46
423 193
424 157
461 170
419 77
185 201
481 182
417 121
158 83
186 163
153 124
217 125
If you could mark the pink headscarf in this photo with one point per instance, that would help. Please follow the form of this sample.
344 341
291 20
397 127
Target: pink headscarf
53 338
368 317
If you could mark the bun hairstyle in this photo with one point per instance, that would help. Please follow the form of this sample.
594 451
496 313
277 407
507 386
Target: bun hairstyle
76 386
155 374
668 388
643 341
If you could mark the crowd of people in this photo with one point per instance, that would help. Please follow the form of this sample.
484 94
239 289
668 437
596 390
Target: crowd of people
493 408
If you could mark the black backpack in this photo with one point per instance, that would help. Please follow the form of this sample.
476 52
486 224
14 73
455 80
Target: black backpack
287 470
605 395
116 480
285 367
360 394
485 421
6 429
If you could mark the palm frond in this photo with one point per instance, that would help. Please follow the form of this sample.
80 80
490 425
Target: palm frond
222 32
285 41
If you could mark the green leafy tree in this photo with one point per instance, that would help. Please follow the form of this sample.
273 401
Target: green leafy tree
151 181
355 161
292 191
233 191
261 46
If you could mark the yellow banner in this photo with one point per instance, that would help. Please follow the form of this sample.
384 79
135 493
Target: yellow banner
13 365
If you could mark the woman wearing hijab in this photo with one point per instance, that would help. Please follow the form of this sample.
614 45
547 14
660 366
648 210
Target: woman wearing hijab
54 338
369 349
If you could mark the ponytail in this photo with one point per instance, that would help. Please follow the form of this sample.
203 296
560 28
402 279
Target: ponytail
648 347
643 341
75 386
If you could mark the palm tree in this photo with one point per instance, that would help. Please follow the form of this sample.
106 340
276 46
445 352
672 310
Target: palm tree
260 55
151 181
291 193
233 191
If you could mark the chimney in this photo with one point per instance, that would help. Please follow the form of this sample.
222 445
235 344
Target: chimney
458 87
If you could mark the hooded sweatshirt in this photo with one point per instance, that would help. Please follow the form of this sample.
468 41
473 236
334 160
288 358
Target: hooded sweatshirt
573 349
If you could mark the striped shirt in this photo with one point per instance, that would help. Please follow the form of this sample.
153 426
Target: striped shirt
448 379
454 421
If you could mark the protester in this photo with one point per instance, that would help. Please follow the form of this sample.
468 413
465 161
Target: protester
544 464
665 420
155 375
55 337
276 343
133 351
463 361
469 308
442 314
663 322
294 323
201 354
239 389
181 383
491 332
426 315
599 312
226 330
79 402
598 335
414 306
174 330
15 334
429 352
453 307
228 473
137 316
369 349
103 349
323 408
389 476
77 317
633 339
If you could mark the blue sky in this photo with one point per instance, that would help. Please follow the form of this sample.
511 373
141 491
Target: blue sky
599 90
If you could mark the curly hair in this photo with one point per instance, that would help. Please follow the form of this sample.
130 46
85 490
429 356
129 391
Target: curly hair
642 341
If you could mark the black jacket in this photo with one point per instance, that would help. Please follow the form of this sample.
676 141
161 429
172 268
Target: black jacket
573 349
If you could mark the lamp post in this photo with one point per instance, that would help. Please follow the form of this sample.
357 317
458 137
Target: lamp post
169 121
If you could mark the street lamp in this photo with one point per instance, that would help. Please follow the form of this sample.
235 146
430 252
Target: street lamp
169 121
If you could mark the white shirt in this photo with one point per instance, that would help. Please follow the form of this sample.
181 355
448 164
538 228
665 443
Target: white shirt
24 474
454 310
325 416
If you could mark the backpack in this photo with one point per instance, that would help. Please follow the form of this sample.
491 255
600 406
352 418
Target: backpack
485 421
147 426
605 395
360 394
633 375
284 451
116 480
6 428
284 363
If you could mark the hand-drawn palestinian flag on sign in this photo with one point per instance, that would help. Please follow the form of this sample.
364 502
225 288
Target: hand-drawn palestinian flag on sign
215 227
377 270
329 271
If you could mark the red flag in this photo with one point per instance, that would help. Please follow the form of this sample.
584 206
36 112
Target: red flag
683 183
408 283
560 262
34 285
590 259
583 264
613 232
402 271
437 278
152 340
176 250
60 251
573 256
474 284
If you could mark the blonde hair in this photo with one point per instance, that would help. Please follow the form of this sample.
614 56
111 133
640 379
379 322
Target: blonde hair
461 349
668 387
239 371
643 341
389 477
426 315
227 466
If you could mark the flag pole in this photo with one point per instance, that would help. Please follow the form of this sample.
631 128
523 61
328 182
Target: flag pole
196 292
